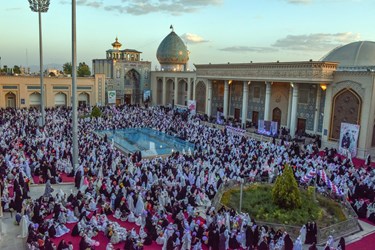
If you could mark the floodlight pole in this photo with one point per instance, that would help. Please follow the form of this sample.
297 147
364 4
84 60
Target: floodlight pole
241 192
40 6
74 88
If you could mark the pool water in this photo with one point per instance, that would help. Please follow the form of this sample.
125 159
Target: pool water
150 142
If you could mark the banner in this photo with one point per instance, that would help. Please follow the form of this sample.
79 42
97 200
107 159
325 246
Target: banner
348 139
267 128
112 96
147 96
192 106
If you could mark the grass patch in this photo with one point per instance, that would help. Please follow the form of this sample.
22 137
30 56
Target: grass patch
257 201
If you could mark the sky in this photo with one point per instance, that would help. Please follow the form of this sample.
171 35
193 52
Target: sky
215 31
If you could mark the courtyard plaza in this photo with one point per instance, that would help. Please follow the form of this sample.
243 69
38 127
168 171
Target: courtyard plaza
128 186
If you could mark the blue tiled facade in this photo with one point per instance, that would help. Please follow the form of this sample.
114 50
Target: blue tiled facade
236 94
256 103
217 97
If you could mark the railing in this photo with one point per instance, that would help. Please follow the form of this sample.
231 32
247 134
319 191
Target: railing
347 227
248 134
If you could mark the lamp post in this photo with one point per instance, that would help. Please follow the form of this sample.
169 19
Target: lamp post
241 192
74 88
40 6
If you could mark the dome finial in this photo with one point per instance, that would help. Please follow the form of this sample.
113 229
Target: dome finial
171 27
116 45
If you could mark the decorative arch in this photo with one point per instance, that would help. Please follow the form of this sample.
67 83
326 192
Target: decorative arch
83 99
34 99
10 100
200 95
133 81
169 90
182 89
346 107
60 99
159 91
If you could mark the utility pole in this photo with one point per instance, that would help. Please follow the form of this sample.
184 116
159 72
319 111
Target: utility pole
40 6
74 88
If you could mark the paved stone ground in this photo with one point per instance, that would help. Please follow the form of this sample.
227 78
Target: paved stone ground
9 231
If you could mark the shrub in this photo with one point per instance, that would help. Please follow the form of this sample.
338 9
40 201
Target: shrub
96 112
285 192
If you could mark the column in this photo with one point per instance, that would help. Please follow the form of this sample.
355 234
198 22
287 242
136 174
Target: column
164 92
317 108
188 89
209 97
289 105
245 99
226 96
175 91
194 85
267 102
293 117
327 115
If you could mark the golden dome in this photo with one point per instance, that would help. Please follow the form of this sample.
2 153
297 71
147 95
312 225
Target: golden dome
116 44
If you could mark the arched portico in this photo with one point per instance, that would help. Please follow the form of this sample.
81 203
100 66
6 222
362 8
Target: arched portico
346 106
60 99
10 100
83 99
200 94
34 100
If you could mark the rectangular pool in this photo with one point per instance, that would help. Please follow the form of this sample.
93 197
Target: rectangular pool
150 142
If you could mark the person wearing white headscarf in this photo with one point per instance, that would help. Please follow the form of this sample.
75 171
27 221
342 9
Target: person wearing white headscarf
24 227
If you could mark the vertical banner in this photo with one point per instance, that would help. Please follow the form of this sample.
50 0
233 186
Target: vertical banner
112 96
147 96
348 139
192 105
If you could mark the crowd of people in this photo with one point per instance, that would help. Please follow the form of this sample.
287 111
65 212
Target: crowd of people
167 200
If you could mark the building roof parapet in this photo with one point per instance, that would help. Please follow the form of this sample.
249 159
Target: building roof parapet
310 71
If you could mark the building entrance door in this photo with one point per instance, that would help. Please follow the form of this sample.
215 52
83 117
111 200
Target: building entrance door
301 126
276 116
255 118
237 114
128 98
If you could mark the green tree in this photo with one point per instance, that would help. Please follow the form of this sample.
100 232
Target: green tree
285 192
95 112
16 69
83 70
67 68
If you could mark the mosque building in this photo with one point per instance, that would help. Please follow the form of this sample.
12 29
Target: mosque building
125 72
315 97
312 96
173 84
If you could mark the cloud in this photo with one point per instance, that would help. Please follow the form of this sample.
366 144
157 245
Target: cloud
193 38
249 49
317 41
143 7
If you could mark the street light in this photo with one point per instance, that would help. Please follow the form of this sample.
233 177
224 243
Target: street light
40 6
74 88
241 193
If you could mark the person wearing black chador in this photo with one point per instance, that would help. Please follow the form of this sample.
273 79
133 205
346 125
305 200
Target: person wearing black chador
288 243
